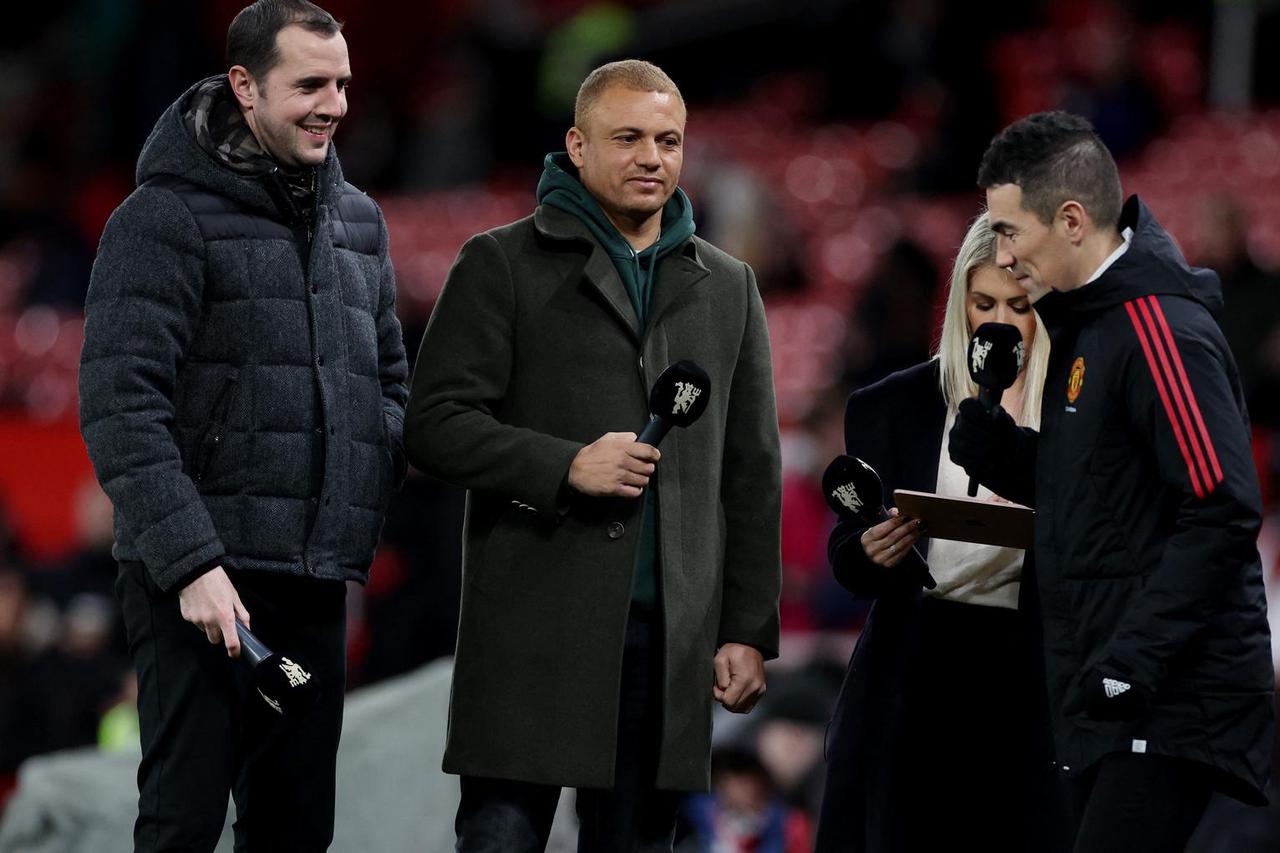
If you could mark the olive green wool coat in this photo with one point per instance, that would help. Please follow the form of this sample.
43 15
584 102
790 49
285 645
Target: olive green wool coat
533 352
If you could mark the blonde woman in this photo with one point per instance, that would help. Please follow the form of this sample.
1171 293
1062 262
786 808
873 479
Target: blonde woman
940 739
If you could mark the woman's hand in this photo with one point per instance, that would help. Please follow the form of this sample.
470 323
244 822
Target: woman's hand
888 542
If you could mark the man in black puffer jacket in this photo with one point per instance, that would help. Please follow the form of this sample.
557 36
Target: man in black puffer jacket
1157 649
242 400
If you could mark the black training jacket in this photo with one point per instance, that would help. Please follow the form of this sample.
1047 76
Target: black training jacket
1148 513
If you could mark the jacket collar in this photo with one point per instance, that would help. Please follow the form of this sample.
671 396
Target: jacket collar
1152 265
676 273
171 149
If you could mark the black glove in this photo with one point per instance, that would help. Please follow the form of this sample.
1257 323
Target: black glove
980 441
1109 694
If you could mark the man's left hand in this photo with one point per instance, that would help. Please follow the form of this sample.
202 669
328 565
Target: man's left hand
739 677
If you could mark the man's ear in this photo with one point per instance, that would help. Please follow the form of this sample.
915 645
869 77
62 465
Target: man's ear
573 142
243 86
1074 221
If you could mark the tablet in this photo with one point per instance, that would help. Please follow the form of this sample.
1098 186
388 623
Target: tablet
970 519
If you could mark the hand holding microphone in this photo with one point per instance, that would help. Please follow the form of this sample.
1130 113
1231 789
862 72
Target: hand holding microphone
619 464
853 489
982 427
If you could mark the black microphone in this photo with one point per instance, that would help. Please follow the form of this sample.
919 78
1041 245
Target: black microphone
996 355
283 683
853 490
679 397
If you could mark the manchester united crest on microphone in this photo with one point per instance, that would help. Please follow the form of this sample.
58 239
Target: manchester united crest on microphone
848 496
978 355
686 393
1076 380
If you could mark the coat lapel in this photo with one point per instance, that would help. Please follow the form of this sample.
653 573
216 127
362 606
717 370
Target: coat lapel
676 273
599 270
604 277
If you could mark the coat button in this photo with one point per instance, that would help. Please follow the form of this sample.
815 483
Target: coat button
616 529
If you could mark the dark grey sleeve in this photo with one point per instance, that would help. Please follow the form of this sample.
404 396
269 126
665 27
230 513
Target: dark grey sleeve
142 310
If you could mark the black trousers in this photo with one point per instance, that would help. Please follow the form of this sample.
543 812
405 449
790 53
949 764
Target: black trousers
974 767
1140 804
206 732
505 816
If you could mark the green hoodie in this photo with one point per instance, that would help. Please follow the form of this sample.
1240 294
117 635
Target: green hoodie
560 187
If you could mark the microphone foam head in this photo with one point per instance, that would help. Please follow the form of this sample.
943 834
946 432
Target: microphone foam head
679 395
286 684
996 355
852 487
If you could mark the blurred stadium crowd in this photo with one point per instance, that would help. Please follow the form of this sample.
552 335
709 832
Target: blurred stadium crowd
832 145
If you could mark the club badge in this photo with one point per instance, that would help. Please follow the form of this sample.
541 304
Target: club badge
1076 380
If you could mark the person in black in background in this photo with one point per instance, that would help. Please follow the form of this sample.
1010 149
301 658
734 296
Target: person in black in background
1157 649
940 738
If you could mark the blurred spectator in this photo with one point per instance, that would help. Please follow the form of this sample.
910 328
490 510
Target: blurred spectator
791 735
14 719
70 685
736 209
1250 318
35 225
893 332
743 813
811 598
90 568
119 730
1103 82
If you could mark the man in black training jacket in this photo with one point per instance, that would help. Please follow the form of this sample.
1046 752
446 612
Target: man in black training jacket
1147 504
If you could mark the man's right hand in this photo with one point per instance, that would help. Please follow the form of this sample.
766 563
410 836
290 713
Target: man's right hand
212 604
614 465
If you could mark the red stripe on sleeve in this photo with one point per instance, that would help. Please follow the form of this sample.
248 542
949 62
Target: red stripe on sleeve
1164 397
1186 384
1175 389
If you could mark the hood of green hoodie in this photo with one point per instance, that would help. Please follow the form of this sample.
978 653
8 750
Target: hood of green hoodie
560 187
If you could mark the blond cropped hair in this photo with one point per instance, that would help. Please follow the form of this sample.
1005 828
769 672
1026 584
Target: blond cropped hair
634 74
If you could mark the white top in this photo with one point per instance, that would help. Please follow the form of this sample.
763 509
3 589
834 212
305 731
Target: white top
965 571
1127 234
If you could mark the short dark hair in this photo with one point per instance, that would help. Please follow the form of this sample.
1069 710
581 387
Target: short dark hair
1055 157
251 38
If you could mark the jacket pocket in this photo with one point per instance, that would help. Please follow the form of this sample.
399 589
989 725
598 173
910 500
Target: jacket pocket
211 439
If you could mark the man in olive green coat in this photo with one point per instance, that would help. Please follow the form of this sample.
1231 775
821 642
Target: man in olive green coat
611 592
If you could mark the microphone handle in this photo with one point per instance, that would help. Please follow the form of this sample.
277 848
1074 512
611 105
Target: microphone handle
989 398
250 646
654 431
915 561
